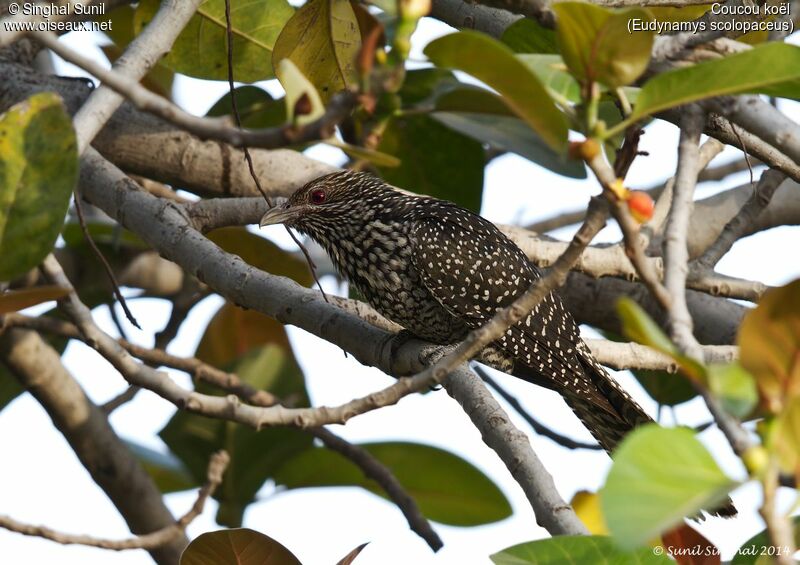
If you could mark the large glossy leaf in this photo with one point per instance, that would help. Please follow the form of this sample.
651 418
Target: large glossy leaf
495 64
659 476
773 69
421 86
769 345
201 49
434 160
483 116
597 46
240 546
447 488
261 253
15 300
554 75
38 170
322 39
511 134
576 550
234 331
668 389
257 108
527 36
256 348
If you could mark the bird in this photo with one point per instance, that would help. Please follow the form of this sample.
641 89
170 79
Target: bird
439 270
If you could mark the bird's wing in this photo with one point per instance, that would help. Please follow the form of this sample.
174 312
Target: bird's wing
474 271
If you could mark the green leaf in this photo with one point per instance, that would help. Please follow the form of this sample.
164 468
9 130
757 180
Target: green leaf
528 36
734 386
322 39
641 328
257 349
769 345
553 74
38 170
422 85
15 300
597 46
783 438
303 102
166 470
577 550
434 160
772 69
357 152
447 488
240 546
511 134
159 79
658 477
261 253
257 108
668 389
201 49
493 63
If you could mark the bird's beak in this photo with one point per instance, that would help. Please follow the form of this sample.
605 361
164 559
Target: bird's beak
280 214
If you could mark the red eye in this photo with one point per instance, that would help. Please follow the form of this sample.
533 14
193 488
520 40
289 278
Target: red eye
318 197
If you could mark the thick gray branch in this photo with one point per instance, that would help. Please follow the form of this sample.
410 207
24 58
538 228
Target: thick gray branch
514 448
38 368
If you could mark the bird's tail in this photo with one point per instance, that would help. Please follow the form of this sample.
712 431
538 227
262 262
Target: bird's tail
612 413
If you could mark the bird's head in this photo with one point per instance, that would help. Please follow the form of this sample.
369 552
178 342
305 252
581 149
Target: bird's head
328 199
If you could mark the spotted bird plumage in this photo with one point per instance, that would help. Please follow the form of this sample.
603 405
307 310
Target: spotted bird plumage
439 271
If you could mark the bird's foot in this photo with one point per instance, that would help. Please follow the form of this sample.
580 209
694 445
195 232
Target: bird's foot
396 343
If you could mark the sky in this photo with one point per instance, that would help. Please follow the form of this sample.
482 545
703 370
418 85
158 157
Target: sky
44 483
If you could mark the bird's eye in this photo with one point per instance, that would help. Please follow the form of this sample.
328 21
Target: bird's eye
318 197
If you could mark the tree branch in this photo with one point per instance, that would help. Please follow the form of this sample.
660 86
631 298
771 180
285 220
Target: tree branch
738 225
38 368
139 57
338 109
513 447
537 426
216 468
676 266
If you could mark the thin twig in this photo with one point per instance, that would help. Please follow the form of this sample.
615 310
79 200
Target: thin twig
630 230
249 158
378 472
769 182
537 426
216 467
676 255
339 108
103 261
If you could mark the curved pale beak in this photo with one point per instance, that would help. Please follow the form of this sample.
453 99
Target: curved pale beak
280 214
